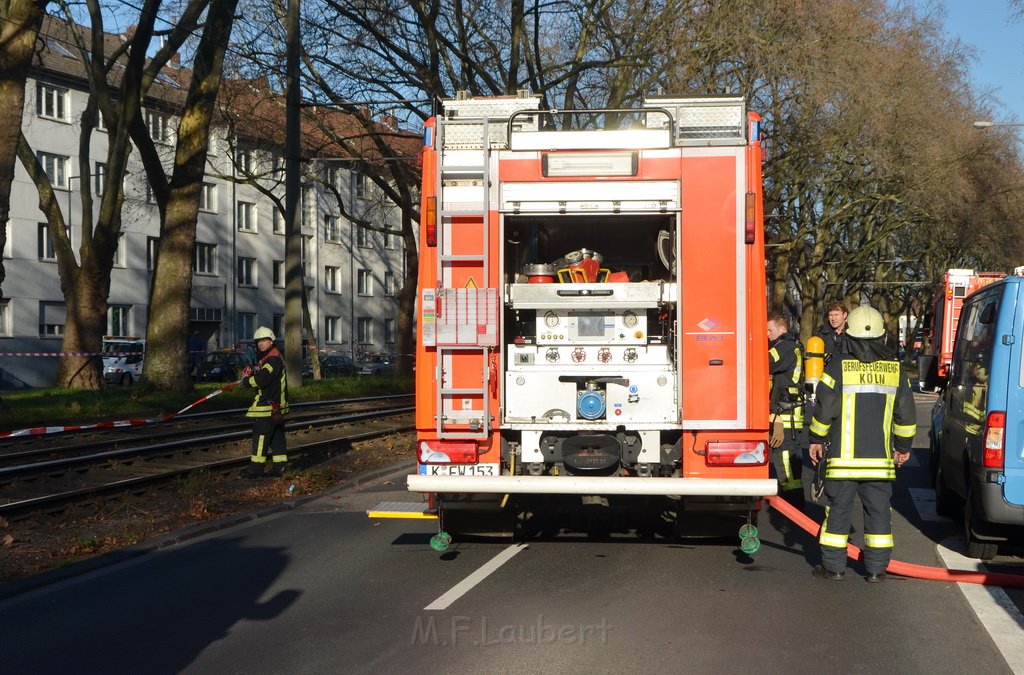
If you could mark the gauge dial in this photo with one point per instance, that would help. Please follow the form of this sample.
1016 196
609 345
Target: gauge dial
550 319
629 319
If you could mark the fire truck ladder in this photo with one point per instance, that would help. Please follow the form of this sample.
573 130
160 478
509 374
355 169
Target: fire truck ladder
462 134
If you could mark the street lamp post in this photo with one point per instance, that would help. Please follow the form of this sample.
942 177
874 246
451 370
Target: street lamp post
988 124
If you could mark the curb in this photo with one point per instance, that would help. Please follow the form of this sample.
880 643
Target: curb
18 587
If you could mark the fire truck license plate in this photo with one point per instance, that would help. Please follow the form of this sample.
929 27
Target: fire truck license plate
459 469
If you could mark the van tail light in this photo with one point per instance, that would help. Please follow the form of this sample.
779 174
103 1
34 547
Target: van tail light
995 439
447 452
430 218
734 453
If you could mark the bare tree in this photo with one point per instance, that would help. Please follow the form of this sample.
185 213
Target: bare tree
22 20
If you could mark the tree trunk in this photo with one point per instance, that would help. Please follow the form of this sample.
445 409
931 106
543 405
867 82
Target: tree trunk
22 20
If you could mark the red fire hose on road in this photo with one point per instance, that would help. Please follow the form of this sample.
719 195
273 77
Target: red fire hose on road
902 568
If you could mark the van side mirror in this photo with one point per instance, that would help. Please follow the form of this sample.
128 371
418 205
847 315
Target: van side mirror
928 373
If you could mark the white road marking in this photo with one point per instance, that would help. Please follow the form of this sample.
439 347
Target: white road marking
924 502
996 611
461 588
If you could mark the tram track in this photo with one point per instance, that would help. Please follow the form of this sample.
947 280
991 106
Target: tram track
47 479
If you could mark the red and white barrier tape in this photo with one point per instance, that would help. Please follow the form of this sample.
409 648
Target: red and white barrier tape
42 431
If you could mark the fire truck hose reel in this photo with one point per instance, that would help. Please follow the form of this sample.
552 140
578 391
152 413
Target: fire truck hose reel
902 568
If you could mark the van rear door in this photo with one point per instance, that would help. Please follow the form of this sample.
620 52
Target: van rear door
1013 338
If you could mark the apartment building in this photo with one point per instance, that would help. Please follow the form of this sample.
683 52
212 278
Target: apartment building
352 272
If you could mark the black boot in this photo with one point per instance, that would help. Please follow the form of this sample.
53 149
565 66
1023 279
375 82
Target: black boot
253 471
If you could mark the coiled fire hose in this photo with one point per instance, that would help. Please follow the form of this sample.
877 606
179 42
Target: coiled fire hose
902 568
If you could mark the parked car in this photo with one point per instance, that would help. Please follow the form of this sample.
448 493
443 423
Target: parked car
123 359
977 425
331 365
221 367
376 364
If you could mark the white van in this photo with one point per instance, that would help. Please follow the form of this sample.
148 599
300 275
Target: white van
122 359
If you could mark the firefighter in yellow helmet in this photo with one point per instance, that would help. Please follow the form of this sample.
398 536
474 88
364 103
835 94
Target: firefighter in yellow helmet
864 410
786 412
268 407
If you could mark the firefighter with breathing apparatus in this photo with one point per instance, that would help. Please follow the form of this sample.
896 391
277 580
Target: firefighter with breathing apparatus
864 408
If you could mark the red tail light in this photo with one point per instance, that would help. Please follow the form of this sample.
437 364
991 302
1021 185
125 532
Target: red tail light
430 218
729 453
995 439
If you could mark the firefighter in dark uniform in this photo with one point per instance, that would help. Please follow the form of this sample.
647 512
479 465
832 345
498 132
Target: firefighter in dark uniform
268 407
864 409
785 365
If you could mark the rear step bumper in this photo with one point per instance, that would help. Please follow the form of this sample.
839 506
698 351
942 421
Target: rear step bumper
595 485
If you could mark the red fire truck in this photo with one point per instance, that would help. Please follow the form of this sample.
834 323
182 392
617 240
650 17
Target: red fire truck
957 284
592 309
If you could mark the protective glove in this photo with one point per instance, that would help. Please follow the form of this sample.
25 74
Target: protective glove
778 434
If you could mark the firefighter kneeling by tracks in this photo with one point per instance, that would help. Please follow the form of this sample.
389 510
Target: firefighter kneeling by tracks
268 407
785 363
864 415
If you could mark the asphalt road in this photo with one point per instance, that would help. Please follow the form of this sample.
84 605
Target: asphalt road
321 588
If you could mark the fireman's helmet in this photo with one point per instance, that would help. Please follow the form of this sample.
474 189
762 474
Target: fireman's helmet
865 322
264 333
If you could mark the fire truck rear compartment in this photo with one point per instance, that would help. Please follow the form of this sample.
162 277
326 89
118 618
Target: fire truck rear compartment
591 375
626 243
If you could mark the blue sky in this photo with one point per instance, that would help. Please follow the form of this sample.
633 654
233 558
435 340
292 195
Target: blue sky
987 25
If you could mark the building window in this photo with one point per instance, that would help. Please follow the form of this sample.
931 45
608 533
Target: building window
246 216
331 276
365 327
279 168
389 331
204 259
277 325
51 319
208 198
246 325
332 230
5 318
365 283
247 272
243 160
389 283
99 178
7 239
150 194
358 184
51 102
46 250
119 320
152 249
278 221
278 274
308 206
362 237
159 126
332 176
119 256
332 325
307 255
56 168
390 240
